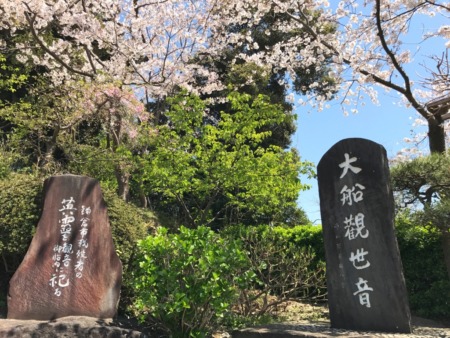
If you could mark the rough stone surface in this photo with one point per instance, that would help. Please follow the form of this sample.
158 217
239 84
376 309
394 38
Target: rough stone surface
365 283
71 267
428 329
69 327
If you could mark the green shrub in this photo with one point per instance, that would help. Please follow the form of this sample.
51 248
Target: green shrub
187 281
129 224
20 201
19 213
288 264
424 269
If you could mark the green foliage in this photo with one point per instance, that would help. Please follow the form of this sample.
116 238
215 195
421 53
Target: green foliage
20 198
93 161
187 281
288 263
8 162
129 224
424 185
424 269
423 180
19 214
11 77
39 121
218 173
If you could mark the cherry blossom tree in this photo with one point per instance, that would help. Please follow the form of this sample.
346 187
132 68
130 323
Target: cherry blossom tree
150 44
136 42
377 49
368 51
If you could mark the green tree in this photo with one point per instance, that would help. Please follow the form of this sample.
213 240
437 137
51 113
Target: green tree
61 128
424 183
220 173
11 77
236 71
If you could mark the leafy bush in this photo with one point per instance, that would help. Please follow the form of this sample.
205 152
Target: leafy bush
288 264
20 199
187 281
129 224
424 269
19 214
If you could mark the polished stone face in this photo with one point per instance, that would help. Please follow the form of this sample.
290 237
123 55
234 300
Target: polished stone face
366 288
71 267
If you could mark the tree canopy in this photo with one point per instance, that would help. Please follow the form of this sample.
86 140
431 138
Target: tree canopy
220 173
76 72
362 44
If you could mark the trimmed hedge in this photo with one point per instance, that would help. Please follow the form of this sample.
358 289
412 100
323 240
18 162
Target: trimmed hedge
20 201
420 248
424 269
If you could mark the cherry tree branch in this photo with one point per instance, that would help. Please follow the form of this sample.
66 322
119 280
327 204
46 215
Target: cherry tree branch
433 3
31 20
405 91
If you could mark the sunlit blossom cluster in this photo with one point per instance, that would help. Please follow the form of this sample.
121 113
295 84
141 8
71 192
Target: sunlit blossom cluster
148 43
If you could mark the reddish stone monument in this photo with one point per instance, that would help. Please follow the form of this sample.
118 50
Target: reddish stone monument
71 267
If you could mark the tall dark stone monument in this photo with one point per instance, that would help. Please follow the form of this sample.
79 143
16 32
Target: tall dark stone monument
71 267
366 287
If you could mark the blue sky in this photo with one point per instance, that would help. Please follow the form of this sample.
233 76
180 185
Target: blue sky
386 124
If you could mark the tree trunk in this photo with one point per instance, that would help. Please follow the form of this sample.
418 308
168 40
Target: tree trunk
123 182
436 139
446 247
48 155
143 200
50 146
436 136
